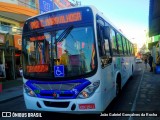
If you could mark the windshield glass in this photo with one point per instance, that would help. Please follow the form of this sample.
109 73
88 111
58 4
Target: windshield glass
63 53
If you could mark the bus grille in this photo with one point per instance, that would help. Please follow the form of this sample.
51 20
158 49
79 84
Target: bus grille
56 104
60 95
68 86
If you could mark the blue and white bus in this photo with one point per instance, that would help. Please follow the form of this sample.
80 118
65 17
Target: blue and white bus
99 60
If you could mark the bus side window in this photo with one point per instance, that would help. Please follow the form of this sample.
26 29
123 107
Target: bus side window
124 46
103 37
129 49
107 49
107 58
120 44
101 42
113 42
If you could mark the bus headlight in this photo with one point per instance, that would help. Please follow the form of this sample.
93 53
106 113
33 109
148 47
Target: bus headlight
89 90
29 91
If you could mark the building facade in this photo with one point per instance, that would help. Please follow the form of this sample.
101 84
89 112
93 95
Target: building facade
13 13
154 46
154 28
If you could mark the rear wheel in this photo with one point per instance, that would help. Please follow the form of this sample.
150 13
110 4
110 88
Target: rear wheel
132 72
118 86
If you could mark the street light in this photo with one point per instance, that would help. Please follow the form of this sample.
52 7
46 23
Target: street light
75 2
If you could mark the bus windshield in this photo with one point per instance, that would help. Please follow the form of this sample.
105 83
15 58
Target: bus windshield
72 47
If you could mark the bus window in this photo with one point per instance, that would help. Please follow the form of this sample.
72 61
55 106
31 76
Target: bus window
120 45
107 49
131 48
103 45
37 49
101 42
113 42
128 46
124 46
78 45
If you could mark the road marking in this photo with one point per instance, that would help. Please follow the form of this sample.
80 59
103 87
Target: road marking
135 100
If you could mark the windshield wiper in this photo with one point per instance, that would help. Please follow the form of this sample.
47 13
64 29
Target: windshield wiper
64 34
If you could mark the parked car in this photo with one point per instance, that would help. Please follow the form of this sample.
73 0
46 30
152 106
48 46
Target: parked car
138 60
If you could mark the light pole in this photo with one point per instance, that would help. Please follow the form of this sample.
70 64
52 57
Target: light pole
75 2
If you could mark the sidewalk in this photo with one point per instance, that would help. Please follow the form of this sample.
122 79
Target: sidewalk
11 89
148 97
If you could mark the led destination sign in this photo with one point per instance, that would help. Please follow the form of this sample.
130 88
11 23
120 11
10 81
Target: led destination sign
42 37
55 20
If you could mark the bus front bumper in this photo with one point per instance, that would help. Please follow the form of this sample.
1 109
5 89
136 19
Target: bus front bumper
75 106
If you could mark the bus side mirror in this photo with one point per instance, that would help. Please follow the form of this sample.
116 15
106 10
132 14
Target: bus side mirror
106 32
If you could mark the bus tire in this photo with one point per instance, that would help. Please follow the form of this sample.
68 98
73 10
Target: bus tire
132 72
118 85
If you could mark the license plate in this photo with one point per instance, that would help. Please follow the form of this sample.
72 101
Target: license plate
86 106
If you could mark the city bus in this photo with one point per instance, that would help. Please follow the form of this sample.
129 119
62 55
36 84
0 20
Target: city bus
74 60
